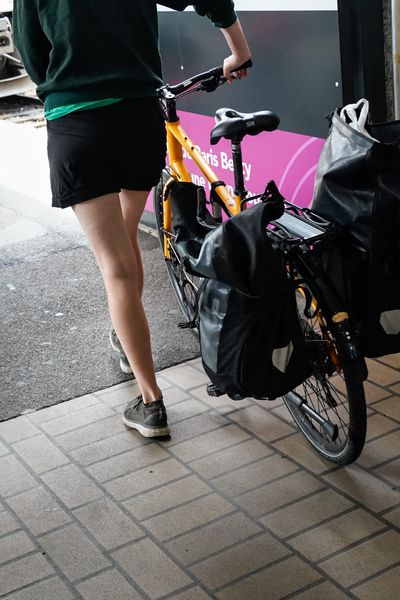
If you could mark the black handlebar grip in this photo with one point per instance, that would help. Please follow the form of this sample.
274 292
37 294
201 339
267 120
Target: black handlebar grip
219 71
246 65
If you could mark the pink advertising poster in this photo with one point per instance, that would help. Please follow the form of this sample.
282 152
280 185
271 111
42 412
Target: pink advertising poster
296 73
290 159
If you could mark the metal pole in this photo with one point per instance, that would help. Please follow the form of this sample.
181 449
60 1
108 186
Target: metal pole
396 56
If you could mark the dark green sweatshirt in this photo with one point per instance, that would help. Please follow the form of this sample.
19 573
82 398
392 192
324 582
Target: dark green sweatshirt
82 50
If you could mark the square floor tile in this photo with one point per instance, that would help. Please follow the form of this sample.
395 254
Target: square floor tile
22 572
138 560
108 523
39 510
145 479
364 487
280 580
51 589
244 558
253 475
306 513
7 522
323 591
14 546
14 477
73 552
109 585
173 494
389 407
298 449
17 429
71 486
184 518
209 443
233 457
380 450
336 535
353 565
127 462
278 493
382 374
262 423
381 587
378 425
212 538
40 454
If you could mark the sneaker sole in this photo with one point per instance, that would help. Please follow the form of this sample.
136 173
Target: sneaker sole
145 431
124 368
113 346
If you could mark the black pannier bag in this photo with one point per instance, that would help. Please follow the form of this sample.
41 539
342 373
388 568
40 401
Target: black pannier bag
250 337
358 188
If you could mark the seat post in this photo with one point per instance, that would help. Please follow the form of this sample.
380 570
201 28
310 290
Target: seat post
240 189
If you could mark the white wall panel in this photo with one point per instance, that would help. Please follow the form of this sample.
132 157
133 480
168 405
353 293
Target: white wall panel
276 5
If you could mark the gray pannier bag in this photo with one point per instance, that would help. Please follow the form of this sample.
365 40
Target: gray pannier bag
250 336
358 188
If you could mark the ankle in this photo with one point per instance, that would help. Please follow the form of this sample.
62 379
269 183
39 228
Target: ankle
152 396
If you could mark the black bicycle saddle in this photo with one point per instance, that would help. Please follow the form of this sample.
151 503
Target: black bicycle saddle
233 125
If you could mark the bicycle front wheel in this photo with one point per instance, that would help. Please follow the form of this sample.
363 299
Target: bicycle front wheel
333 390
184 284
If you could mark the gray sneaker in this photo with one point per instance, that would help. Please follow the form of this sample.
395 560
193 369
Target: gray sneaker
149 419
116 345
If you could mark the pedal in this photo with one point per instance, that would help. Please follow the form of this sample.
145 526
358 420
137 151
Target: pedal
213 391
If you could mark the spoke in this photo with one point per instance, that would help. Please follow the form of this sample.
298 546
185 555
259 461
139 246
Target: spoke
329 390
188 284
322 406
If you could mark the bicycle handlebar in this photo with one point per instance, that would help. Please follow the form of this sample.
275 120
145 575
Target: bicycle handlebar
215 73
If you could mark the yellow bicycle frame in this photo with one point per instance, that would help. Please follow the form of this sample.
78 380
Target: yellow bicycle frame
176 140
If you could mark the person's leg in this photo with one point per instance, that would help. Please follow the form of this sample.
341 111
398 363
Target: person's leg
104 225
132 205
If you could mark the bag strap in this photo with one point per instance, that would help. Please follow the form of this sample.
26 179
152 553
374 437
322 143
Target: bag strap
349 114
356 115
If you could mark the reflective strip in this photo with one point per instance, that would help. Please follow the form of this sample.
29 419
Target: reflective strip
281 357
277 5
390 321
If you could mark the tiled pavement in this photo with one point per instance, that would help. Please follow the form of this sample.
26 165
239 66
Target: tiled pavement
234 506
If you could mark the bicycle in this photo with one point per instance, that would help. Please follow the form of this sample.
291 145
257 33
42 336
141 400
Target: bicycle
329 408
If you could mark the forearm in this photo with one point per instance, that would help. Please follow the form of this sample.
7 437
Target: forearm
237 42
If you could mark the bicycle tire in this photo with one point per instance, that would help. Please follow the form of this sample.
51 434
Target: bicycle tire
330 384
349 447
184 285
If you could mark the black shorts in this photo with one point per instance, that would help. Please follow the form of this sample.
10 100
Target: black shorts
103 150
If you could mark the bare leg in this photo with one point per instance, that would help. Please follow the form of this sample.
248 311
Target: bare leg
104 225
132 205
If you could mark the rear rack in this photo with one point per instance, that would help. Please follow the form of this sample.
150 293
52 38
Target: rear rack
297 225
300 226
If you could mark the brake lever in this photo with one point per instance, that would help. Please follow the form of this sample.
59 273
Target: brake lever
211 84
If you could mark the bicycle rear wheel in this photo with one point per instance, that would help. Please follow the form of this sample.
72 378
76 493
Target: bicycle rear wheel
333 390
184 284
